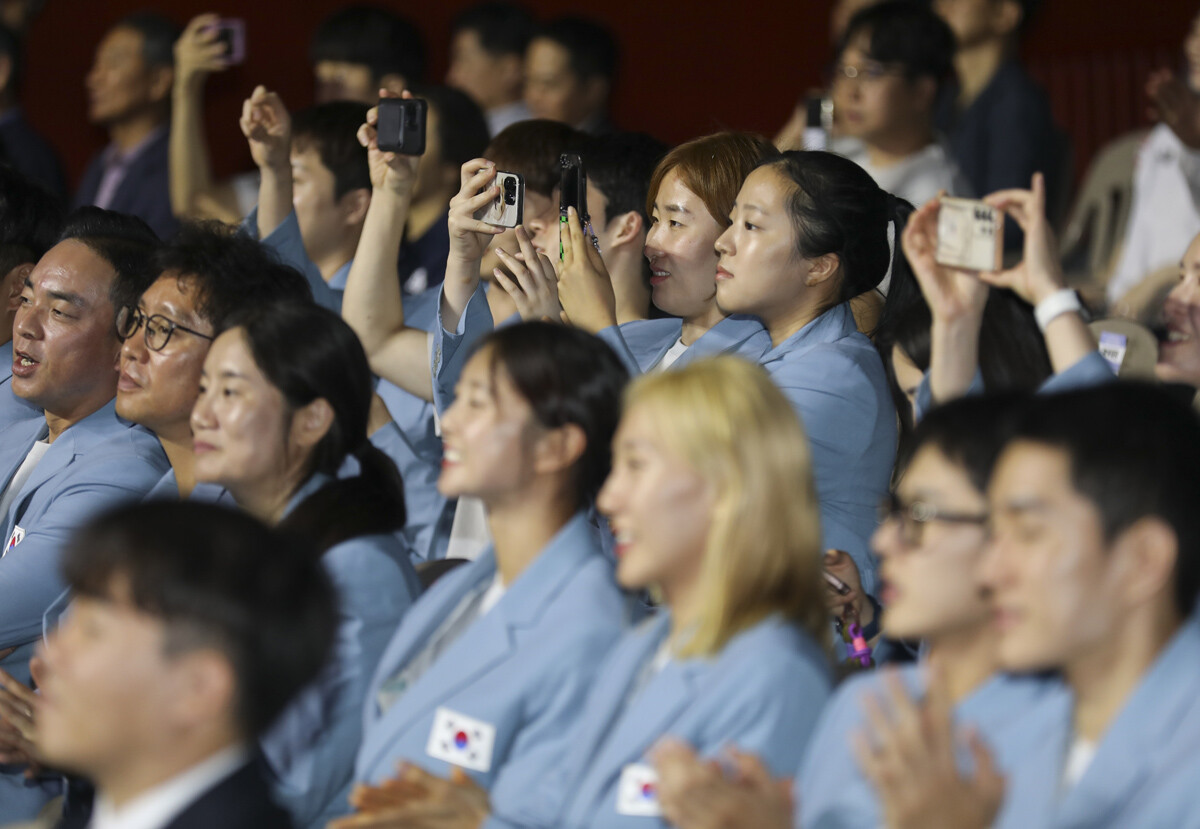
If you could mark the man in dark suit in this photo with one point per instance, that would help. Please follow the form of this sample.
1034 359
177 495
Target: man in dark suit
129 94
21 145
191 628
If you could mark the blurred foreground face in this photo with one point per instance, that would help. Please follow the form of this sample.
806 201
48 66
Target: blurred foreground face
1179 354
338 80
552 90
1054 590
120 84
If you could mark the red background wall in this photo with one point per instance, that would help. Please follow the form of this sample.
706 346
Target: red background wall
687 67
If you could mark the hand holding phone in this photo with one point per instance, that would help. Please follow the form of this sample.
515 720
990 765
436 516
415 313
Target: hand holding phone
401 125
970 235
508 208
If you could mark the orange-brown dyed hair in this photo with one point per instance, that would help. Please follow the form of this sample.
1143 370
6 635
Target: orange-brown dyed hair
713 167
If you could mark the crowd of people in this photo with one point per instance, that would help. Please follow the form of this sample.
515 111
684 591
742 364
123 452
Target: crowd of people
328 502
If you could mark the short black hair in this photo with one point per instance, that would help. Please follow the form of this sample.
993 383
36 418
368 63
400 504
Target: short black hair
905 33
971 432
30 220
462 127
567 376
228 271
332 130
383 41
502 28
1134 452
158 36
308 352
532 148
590 45
125 242
620 164
217 578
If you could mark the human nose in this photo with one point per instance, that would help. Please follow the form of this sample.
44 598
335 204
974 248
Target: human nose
27 323
724 243
202 413
653 249
608 500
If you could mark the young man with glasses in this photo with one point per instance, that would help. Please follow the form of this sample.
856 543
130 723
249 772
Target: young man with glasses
890 65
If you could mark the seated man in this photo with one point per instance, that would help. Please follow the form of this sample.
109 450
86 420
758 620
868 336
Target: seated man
487 60
570 67
30 221
890 65
192 628
20 144
129 94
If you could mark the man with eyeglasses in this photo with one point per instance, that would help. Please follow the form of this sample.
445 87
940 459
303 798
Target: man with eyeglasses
77 458
890 65
206 274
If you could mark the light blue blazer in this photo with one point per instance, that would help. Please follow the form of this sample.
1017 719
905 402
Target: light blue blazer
416 450
834 379
642 344
167 489
1146 771
1090 370
831 791
763 692
452 349
13 409
97 463
310 749
524 668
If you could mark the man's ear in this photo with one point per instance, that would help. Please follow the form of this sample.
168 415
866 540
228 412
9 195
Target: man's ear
627 228
822 269
162 78
354 206
204 688
925 91
15 282
312 422
595 94
559 449
1145 553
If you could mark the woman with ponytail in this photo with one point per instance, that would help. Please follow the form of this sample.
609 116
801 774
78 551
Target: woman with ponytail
809 232
284 401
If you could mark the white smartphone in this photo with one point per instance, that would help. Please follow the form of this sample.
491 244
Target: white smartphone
508 208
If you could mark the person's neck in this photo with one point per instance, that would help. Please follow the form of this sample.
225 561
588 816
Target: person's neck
629 283
521 527
122 783
500 304
683 600
267 499
790 320
696 326
425 213
897 148
497 106
1103 678
976 66
59 422
133 130
182 457
967 658
331 261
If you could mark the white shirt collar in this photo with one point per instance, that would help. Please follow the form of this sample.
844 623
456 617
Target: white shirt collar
157 807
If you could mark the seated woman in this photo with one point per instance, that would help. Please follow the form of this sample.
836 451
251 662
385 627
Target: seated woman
809 232
284 400
723 523
930 543
490 668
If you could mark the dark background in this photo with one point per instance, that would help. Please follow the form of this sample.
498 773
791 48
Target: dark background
688 66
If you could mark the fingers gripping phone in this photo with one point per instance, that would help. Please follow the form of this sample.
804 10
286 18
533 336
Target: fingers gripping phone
573 193
401 125
232 33
508 208
970 235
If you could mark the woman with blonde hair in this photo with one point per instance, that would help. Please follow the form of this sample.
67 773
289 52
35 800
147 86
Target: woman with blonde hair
712 502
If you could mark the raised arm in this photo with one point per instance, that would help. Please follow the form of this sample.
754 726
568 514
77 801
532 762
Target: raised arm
268 129
469 238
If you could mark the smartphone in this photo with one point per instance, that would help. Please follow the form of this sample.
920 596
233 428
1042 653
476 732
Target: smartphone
508 208
818 121
839 586
573 193
401 125
970 235
232 32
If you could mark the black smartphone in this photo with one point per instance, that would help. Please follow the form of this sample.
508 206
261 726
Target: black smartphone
572 189
232 32
401 125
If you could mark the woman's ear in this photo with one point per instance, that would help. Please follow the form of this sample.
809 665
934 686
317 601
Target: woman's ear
559 449
822 269
312 422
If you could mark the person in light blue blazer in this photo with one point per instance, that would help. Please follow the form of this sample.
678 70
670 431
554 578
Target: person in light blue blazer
1093 573
284 401
78 457
489 670
809 233
724 522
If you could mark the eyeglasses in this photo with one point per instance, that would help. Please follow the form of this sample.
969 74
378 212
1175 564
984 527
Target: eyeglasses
915 515
158 329
869 72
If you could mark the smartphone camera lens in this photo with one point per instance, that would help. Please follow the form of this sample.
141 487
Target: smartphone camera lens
510 191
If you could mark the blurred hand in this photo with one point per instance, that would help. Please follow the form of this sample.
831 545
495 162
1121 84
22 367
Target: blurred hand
416 798
1177 106
17 733
911 761
952 293
470 237
268 129
1039 273
697 794
392 172
584 286
198 53
841 565
532 285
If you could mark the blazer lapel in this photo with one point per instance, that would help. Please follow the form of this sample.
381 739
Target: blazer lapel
727 335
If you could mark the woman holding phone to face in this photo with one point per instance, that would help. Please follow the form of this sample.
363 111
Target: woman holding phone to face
712 503
284 400
809 232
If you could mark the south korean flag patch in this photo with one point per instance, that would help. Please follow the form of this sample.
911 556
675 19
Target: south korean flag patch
637 793
461 740
18 535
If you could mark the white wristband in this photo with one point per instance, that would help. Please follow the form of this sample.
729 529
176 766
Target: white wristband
1055 305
